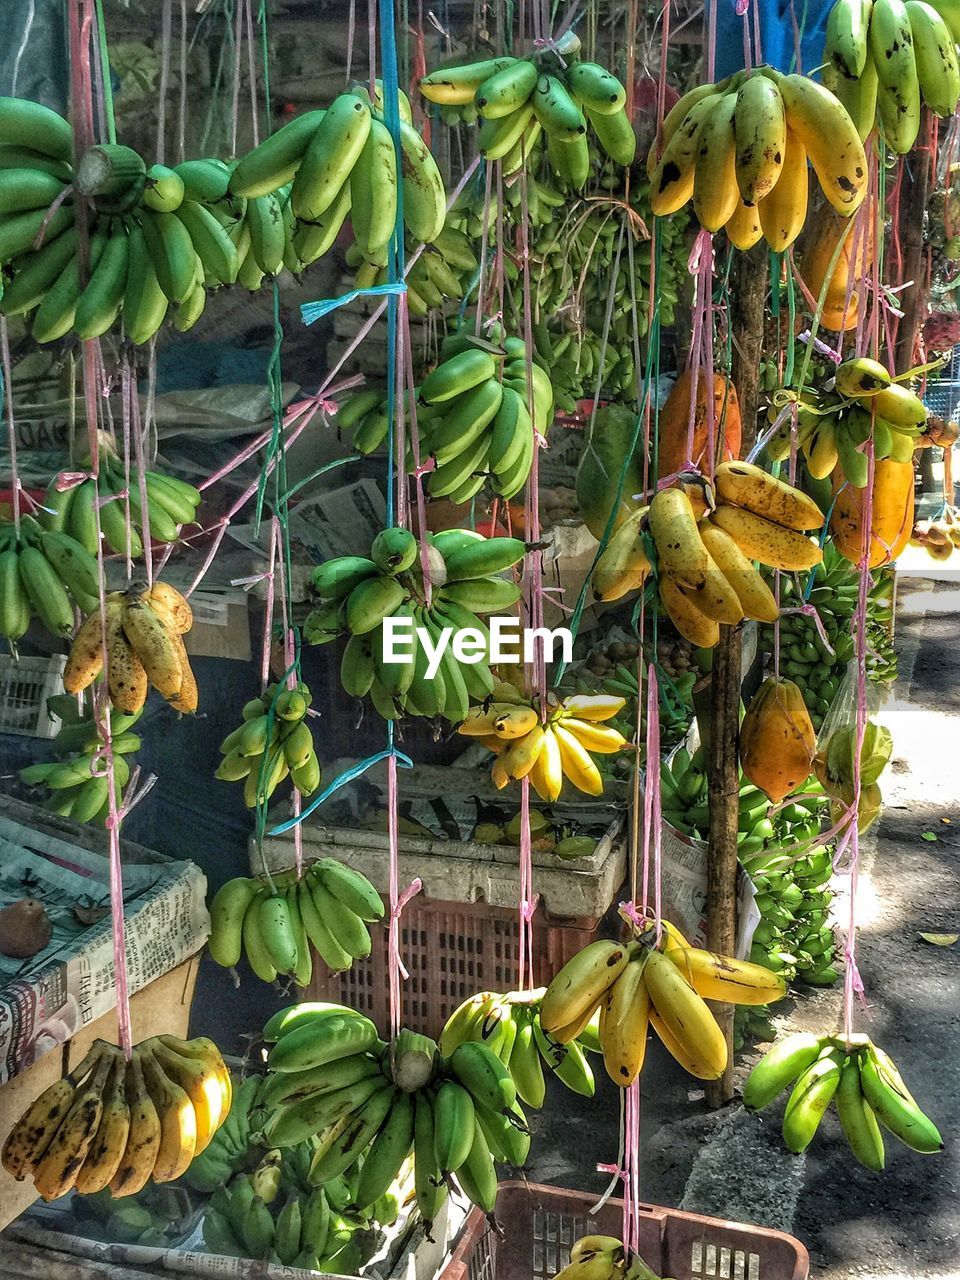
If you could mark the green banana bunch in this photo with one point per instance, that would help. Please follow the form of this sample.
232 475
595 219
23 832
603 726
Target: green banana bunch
277 925
858 1077
834 767
834 423
44 574
75 790
886 58
170 503
274 742
550 93
359 594
444 271
676 703
344 160
509 1025
229 1149
368 1106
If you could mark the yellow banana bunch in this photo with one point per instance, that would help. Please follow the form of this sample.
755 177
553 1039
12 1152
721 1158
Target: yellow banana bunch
276 924
273 742
143 637
739 149
549 93
119 1124
641 984
885 58
858 1077
551 750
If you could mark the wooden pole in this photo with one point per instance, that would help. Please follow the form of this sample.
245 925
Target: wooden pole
723 772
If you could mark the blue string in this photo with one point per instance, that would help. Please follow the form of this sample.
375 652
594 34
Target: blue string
341 780
313 311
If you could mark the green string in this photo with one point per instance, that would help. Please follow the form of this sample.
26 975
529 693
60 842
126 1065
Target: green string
105 74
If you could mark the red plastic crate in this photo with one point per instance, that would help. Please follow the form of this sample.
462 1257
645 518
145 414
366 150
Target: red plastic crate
541 1223
451 950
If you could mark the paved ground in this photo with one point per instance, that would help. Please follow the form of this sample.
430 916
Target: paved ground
905 1222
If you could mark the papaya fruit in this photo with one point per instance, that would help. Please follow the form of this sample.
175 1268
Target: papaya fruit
674 422
892 513
777 739
818 253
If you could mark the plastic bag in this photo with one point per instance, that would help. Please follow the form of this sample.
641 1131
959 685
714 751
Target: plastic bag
835 761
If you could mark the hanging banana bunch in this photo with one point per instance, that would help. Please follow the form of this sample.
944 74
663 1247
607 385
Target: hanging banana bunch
360 594
274 742
171 503
739 150
118 1124
834 765
834 426
644 983
77 787
550 93
44 574
274 922
885 59
143 634
340 161
549 751
333 1079
509 1025
858 1077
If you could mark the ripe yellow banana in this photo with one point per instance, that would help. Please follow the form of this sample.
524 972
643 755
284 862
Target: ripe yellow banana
592 706
143 1139
830 139
623 1022
28 1140
154 646
672 183
761 132
693 625
581 984
523 753
576 762
178 1123
783 210
685 1015
715 192
765 495
57 1171
199 1080
106 1150
602 739
680 549
546 776
724 978
744 228
756 599
770 543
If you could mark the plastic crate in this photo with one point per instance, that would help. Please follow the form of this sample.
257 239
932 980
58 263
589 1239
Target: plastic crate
25 685
451 950
541 1223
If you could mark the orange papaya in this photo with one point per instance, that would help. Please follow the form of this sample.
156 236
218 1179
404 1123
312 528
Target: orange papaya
674 422
892 515
837 315
777 739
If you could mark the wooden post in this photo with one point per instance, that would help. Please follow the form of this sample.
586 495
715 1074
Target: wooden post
749 291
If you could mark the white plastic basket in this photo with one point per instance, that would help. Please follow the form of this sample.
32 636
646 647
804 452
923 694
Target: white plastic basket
25 685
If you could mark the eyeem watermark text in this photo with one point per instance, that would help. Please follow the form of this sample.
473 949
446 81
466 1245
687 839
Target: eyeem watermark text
509 642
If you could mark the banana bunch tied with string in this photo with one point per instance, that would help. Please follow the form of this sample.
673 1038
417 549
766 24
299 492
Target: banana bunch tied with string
549 93
275 921
604 1258
333 1080
142 631
342 161
885 59
152 241
77 786
273 743
118 1124
359 594
474 416
858 1078
739 149
171 503
664 985
44 574
833 425
509 1025
549 751
705 571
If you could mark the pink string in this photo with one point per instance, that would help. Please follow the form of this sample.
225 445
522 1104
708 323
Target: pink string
528 900
810 611
651 803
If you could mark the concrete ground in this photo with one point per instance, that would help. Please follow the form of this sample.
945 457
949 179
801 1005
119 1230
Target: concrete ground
904 1222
